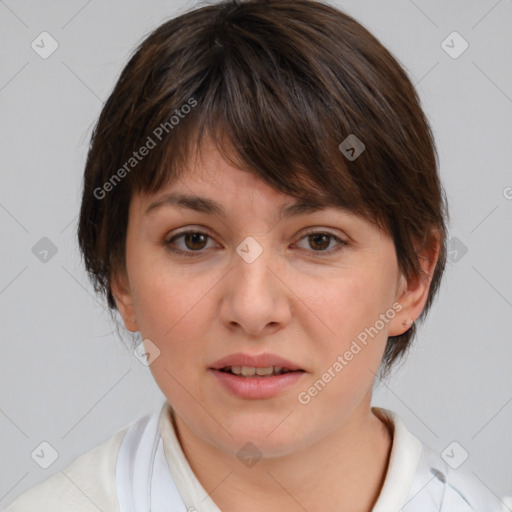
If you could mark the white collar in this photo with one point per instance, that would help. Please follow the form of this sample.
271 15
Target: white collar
151 466
403 461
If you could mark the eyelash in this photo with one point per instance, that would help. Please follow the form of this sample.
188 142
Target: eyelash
195 254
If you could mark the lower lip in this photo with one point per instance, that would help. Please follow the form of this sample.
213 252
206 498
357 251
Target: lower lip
257 387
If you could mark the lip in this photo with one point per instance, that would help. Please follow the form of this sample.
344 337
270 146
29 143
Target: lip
254 361
256 387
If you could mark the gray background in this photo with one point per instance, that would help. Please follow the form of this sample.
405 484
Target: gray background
66 375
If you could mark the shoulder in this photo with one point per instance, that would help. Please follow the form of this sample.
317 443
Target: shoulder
454 490
419 479
87 484
464 491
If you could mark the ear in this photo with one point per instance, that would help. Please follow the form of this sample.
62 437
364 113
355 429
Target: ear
120 288
412 294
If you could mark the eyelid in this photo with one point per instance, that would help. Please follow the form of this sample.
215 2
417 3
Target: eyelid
206 231
309 231
320 231
192 228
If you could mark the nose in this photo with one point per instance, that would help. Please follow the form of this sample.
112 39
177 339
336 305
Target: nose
255 297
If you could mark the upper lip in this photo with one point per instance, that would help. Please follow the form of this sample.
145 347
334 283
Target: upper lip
254 361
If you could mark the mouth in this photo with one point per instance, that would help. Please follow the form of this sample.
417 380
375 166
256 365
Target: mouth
256 376
256 382
250 371
250 365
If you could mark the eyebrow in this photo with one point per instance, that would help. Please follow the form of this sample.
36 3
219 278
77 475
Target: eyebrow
210 206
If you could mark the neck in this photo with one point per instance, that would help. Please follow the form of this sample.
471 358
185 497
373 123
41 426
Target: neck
343 471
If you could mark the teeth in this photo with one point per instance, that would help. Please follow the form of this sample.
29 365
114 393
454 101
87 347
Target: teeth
265 371
248 371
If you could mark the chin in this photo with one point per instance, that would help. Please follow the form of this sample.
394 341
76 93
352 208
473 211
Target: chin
272 438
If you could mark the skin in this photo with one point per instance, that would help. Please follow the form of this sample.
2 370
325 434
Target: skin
294 301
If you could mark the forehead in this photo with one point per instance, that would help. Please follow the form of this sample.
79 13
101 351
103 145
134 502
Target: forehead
208 179
215 183
211 206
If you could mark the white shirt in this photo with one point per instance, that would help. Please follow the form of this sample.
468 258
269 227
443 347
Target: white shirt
145 461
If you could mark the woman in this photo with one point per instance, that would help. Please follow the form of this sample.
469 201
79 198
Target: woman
262 203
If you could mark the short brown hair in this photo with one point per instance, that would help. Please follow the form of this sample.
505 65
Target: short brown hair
284 82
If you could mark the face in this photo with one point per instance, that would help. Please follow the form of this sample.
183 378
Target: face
300 290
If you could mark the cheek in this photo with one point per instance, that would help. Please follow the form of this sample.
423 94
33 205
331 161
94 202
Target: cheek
343 306
163 294
171 313
349 335
173 310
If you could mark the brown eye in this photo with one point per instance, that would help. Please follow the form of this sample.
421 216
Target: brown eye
320 241
192 243
194 240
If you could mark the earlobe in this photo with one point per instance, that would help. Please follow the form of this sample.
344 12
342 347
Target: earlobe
120 288
413 293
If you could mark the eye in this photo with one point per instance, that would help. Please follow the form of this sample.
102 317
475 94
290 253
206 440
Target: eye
194 241
321 240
